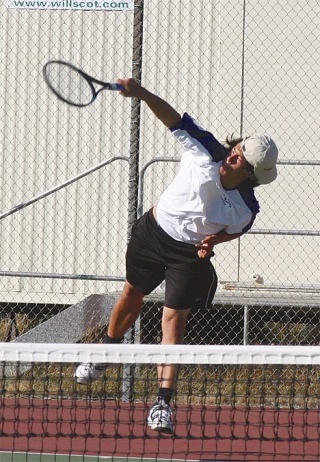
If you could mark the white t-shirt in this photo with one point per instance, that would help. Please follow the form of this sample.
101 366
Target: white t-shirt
195 204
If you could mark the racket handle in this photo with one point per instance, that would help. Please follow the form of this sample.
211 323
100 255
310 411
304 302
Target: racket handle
116 86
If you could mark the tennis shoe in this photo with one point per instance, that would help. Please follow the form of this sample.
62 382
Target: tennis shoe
160 417
87 372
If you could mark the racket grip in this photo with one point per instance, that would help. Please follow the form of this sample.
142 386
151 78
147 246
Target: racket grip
116 86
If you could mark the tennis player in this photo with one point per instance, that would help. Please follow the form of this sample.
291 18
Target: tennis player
211 201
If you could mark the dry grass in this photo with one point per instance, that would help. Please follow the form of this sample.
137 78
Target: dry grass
273 386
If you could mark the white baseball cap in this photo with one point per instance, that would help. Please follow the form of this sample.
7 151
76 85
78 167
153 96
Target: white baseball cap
262 153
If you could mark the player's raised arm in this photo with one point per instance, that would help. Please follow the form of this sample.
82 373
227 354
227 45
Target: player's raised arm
164 111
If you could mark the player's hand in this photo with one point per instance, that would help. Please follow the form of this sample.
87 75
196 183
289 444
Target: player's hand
205 248
131 88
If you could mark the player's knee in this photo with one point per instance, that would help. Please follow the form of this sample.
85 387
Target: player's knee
173 326
129 292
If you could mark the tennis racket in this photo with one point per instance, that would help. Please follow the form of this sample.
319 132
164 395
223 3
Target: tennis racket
72 85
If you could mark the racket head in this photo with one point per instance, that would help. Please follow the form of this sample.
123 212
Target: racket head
69 84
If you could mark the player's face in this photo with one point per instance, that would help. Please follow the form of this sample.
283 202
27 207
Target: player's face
235 166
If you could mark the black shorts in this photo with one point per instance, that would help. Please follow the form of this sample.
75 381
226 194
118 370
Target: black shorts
153 256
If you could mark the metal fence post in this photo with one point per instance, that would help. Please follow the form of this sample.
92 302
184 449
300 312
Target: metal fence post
127 382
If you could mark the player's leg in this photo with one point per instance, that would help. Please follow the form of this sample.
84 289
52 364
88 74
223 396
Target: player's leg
124 313
190 282
145 273
173 328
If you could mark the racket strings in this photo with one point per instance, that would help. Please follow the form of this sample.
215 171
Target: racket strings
69 84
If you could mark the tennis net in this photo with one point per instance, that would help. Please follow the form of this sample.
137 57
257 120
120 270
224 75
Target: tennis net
233 403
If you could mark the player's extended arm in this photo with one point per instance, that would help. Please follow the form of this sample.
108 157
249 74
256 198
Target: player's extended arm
207 244
166 113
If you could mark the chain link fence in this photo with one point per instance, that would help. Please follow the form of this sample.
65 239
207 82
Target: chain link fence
74 180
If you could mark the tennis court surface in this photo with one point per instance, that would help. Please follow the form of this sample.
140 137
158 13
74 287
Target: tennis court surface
29 457
234 403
